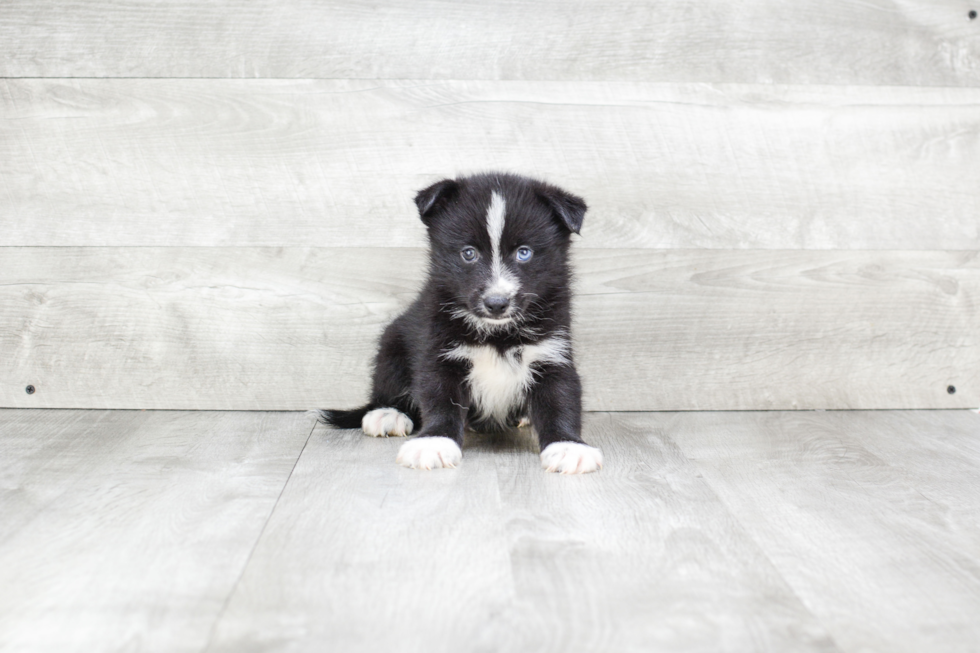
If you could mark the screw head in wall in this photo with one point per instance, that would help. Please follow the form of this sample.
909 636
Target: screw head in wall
951 389
30 389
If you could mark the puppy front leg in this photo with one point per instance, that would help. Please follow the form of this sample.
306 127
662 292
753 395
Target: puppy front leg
556 414
439 443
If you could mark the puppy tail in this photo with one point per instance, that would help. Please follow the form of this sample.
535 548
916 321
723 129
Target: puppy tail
344 419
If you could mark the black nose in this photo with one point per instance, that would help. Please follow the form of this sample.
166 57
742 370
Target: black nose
496 304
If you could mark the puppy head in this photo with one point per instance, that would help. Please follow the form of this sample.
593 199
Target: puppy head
499 246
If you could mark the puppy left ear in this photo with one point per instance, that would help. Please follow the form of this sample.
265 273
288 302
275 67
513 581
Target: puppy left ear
570 209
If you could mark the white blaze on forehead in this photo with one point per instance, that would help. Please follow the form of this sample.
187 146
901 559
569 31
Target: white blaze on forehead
495 221
502 281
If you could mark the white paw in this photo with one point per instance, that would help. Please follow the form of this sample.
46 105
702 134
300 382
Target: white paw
571 458
382 422
429 453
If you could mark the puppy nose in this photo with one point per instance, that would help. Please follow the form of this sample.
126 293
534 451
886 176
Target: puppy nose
496 304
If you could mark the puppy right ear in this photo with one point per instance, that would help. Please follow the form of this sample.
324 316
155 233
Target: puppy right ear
434 198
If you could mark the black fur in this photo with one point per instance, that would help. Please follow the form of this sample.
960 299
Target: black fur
411 370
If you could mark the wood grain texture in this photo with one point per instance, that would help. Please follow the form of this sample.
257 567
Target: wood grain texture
364 555
854 533
902 42
816 531
295 328
940 462
336 163
128 530
497 555
639 557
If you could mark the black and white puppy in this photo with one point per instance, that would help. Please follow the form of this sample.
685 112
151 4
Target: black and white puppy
487 342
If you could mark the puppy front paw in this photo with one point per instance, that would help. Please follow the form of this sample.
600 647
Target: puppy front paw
571 458
382 422
431 452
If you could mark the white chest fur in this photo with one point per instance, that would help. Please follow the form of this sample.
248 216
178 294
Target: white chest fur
500 381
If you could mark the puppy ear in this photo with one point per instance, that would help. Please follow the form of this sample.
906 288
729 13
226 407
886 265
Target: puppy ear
430 200
570 209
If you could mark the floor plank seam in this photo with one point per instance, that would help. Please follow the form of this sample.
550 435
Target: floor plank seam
753 539
248 560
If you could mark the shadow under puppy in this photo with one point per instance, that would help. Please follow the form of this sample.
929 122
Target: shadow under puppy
487 342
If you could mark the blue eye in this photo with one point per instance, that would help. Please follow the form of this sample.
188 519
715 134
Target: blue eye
469 254
524 254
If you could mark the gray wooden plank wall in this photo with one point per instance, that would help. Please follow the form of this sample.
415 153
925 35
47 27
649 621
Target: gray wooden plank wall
784 200
873 42
328 163
294 328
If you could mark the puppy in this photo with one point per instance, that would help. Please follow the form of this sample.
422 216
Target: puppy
486 345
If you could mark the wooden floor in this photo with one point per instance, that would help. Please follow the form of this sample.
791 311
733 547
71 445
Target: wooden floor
235 531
